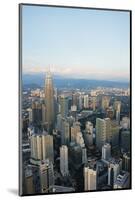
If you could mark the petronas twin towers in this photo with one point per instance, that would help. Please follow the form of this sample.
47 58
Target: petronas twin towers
49 102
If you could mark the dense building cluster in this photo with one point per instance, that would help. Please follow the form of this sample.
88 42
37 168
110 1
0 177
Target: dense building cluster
74 139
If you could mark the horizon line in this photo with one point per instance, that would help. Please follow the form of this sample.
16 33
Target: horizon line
80 78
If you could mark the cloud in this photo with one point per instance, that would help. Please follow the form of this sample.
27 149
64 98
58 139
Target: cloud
77 71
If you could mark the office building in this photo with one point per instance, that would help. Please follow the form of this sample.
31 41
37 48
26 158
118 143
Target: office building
79 139
49 102
105 102
63 101
106 151
86 101
84 155
36 115
103 127
126 162
74 130
114 169
117 109
65 133
90 179
48 147
89 132
125 123
59 122
64 160
94 103
46 176
42 147
115 131
122 181
125 140
80 102
28 181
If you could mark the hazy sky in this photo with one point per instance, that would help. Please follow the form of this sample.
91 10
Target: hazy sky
79 43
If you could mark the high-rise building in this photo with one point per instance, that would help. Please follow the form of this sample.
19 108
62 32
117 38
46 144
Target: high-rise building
36 112
30 115
64 160
105 102
47 146
76 155
94 102
114 168
89 127
46 175
122 181
102 132
125 140
28 181
90 179
110 112
84 155
59 122
63 101
88 134
75 99
125 123
79 139
39 177
80 102
42 147
117 108
106 151
70 120
39 147
65 134
33 140
86 101
115 129
49 102
74 130
126 162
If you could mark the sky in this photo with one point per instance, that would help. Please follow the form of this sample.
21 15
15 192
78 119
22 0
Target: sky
77 43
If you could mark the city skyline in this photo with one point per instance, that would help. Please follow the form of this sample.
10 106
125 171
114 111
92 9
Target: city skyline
76 42
75 103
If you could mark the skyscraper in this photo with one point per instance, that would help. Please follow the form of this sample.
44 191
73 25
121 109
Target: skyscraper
63 105
86 101
114 169
49 102
39 177
89 132
106 151
46 175
94 99
65 133
84 155
42 147
117 108
126 161
64 160
36 115
74 130
122 181
47 144
103 127
115 128
90 179
105 102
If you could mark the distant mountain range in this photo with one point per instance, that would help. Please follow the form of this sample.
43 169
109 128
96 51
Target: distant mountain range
63 82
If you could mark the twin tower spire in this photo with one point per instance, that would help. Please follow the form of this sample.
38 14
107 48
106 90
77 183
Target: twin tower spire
49 101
